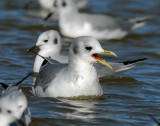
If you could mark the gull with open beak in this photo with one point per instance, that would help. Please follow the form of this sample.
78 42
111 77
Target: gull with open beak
78 77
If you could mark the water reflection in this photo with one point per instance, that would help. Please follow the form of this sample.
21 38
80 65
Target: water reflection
80 109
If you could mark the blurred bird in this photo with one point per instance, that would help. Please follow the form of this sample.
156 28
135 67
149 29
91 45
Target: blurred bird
78 77
72 23
14 109
48 4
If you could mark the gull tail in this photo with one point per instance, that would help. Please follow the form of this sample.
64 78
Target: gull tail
133 61
139 22
5 86
117 67
127 65
19 82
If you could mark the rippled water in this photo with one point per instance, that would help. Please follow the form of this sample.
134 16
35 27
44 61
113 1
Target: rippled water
128 97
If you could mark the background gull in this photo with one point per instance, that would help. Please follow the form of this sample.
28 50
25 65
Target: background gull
78 77
50 45
14 106
73 23
48 4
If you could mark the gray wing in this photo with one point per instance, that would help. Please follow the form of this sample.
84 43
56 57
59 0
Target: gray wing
103 22
107 22
64 59
103 71
61 58
47 74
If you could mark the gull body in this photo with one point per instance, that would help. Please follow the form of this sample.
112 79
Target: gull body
72 23
77 78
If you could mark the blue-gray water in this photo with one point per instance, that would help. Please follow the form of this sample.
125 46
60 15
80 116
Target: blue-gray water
129 98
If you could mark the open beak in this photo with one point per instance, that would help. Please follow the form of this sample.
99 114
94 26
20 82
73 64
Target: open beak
33 48
95 56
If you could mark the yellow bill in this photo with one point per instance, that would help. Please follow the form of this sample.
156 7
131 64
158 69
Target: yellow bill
108 52
95 56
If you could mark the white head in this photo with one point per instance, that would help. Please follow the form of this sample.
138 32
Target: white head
61 7
86 48
46 4
12 105
64 6
49 41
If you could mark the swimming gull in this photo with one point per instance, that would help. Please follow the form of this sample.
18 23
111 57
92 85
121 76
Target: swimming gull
78 77
72 23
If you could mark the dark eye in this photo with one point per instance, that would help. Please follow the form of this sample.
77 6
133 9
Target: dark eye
64 4
55 41
88 48
45 40
9 111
